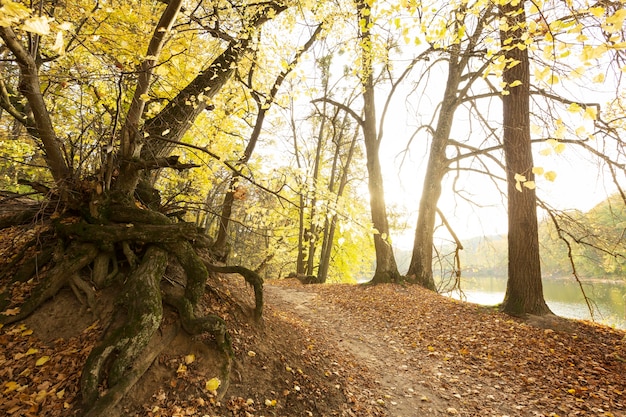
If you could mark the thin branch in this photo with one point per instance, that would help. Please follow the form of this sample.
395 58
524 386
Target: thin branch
343 107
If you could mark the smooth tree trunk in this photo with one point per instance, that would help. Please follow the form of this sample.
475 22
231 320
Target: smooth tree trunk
386 267
300 258
420 268
458 83
524 290
312 234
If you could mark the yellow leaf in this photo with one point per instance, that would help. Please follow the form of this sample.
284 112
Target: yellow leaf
559 148
58 46
12 12
11 311
270 403
530 185
182 368
596 11
11 386
590 52
571 391
518 187
617 18
31 351
520 177
42 360
431 349
61 394
190 358
537 170
573 108
37 24
515 83
598 78
577 73
27 332
550 175
591 113
251 353
212 384
535 129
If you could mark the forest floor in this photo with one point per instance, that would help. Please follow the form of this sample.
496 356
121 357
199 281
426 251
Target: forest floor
336 350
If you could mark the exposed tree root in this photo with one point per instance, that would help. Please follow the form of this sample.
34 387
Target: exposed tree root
132 343
198 325
194 269
124 344
101 276
105 406
251 278
76 257
80 287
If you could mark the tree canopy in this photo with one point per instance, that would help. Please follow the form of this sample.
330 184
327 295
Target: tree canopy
266 139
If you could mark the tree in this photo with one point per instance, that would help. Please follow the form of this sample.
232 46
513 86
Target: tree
459 55
96 221
524 290
263 103
386 268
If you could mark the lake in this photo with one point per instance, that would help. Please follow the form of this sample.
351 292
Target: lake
562 295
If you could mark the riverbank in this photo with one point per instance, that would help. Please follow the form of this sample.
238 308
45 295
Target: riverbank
605 297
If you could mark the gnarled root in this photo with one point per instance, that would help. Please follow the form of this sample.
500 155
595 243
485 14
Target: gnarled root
124 344
198 325
101 276
77 256
105 405
251 278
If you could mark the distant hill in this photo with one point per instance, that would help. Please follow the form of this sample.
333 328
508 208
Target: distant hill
597 239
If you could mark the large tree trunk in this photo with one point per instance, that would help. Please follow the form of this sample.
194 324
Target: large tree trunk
524 291
386 267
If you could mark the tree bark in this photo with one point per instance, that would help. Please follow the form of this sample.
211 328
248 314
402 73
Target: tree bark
420 268
167 128
30 87
386 267
524 291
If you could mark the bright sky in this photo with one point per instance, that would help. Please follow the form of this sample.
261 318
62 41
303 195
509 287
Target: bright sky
580 184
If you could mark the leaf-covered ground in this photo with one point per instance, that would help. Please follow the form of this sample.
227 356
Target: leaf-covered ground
334 350
436 356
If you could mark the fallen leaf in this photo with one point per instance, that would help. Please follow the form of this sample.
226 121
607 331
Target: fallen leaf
212 384
42 360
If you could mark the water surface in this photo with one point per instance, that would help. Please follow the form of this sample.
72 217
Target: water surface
607 298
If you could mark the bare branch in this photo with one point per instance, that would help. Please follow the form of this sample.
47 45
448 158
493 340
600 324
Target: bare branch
343 107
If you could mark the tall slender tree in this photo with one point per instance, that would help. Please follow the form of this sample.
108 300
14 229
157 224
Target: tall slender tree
386 267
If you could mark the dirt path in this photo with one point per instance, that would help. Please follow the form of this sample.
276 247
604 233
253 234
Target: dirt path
407 387
433 356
